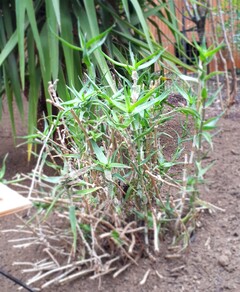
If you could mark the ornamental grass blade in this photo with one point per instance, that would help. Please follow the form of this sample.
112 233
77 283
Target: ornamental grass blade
9 46
10 62
67 35
94 28
13 77
101 37
9 101
20 17
126 9
40 41
149 60
52 24
34 90
56 9
47 72
33 22
143 22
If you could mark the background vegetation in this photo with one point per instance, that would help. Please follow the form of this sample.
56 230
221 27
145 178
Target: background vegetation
48 40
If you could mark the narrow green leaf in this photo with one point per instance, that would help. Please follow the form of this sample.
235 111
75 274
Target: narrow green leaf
73 222
33 23
46 75
10 102
97 45
87 191
211 53
55 199
212 74
188 78
99 37
213 97
146 105
188 111
126 66
93 23
204 93
202 171
117 104
34 89
52 179
66 43
53 42
3 168
208 137
183 93
99 153
56 8
126 9
144 134
119 55
152 59
143 22
11 68
210 124
143 99
20 16
9 46
66 34
61 86
118 165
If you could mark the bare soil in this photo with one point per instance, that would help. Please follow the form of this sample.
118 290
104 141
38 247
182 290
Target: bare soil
212 261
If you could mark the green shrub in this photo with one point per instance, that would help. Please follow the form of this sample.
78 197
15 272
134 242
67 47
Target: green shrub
117 187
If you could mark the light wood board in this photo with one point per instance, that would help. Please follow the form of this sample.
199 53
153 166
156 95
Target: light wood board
11 201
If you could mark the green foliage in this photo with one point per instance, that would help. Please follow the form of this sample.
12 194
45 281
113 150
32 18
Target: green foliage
117 187
42 41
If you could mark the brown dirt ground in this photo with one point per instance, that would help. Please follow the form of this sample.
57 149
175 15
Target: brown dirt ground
213 259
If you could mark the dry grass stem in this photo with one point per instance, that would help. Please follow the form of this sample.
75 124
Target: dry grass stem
159 275
173 256
177 269
145 277
76 275
121 270
103 273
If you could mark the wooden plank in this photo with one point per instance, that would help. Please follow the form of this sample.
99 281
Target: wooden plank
11 201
